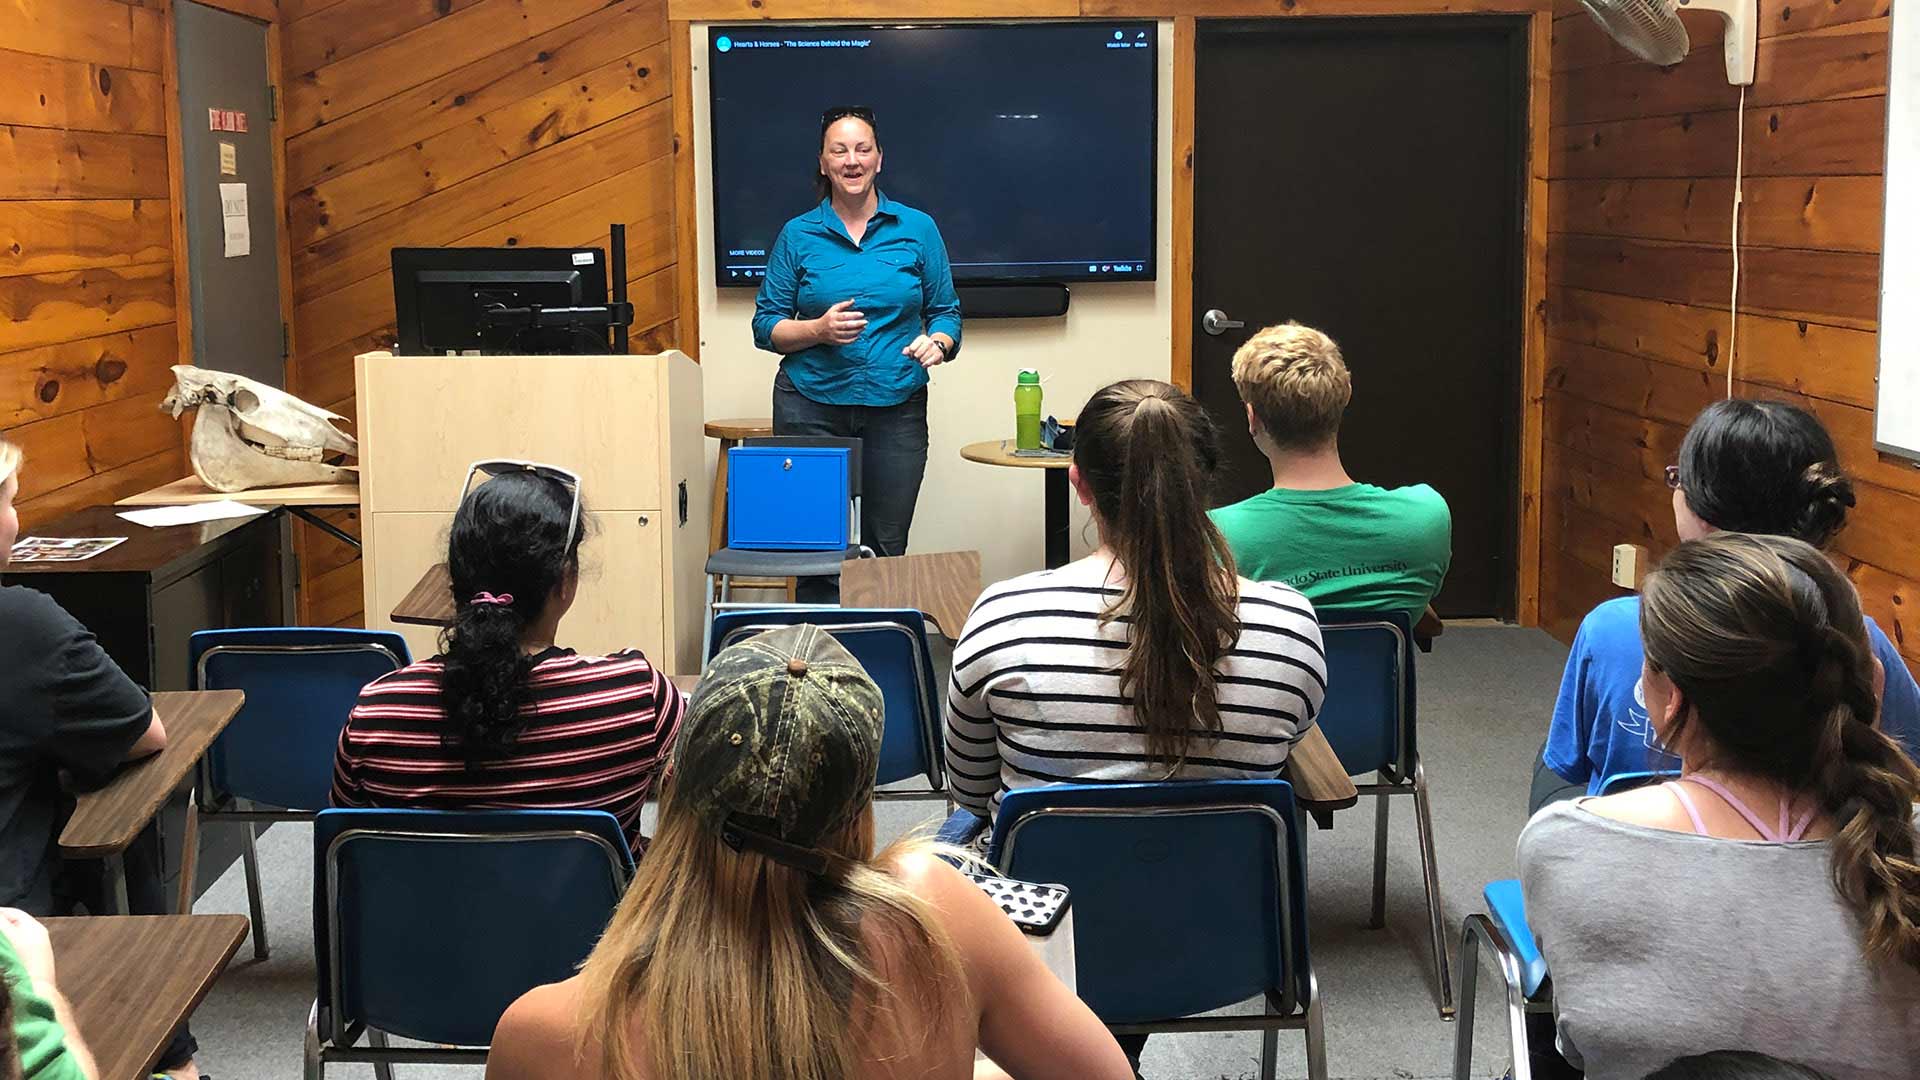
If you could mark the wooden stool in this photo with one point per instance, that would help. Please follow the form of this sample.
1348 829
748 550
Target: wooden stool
730 433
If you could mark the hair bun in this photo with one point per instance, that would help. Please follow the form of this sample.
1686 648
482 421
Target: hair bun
1826 496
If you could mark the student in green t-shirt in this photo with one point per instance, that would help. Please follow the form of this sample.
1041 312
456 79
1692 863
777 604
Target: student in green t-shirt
43 1043
1345 545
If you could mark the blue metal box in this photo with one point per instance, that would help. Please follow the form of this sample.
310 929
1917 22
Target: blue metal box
787 498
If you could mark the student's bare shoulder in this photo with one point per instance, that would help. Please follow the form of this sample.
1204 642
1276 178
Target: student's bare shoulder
1654 807
537 1030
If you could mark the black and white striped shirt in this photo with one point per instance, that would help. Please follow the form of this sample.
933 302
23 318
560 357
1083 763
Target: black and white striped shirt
1036 695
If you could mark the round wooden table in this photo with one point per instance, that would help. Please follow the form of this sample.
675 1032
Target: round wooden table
1000 452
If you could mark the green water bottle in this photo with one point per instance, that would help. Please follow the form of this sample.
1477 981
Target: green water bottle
1026 410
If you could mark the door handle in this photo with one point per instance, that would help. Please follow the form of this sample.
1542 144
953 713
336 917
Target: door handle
1215 322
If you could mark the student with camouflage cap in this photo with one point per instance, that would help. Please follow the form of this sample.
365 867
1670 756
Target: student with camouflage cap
763 938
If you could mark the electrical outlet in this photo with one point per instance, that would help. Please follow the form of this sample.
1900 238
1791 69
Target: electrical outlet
1630 564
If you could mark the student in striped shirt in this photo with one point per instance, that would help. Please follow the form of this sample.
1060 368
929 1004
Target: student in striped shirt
504 718
1149 659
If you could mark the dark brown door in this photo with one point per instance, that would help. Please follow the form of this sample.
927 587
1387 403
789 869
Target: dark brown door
1365 176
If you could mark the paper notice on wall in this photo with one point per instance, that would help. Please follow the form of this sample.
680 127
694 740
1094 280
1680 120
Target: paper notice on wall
229 160
233 220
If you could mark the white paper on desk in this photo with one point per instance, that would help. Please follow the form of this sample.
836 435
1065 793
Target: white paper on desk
155 517
233 220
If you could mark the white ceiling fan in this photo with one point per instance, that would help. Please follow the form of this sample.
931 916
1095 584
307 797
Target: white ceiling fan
1652 30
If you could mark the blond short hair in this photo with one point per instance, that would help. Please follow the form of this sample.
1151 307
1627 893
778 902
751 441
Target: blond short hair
1297 383
10 458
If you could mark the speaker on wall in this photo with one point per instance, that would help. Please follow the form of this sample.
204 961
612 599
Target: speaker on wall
1032 301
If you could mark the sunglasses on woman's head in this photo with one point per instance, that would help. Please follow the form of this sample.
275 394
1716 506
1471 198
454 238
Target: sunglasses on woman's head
501 466
841 112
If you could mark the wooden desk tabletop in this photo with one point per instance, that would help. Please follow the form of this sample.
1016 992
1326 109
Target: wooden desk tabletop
133 978
943 584
146 551
105 821
1320 782
429 602
191 490
1000 452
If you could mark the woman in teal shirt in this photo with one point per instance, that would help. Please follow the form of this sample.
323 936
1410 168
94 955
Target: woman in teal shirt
858 300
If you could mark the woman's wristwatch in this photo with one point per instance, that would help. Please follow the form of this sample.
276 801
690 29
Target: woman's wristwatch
946 351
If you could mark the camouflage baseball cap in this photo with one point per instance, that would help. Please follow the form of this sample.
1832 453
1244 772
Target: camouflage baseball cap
781 744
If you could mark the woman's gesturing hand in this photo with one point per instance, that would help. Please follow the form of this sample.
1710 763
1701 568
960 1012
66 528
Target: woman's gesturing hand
840 325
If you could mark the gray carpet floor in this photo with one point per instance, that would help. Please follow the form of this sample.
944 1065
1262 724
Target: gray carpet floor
1485 696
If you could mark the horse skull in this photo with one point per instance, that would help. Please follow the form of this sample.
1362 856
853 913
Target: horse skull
251 435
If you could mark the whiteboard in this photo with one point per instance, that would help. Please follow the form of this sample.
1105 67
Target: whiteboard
1896 424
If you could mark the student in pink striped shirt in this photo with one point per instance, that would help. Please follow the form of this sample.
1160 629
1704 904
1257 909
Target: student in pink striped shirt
503 717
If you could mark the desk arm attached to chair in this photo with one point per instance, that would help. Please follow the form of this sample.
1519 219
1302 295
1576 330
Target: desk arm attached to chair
1427 628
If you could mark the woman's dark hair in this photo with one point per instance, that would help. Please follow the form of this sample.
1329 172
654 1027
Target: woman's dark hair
821 187
1148 452
1765 642
509 538
1733 1065
1764 467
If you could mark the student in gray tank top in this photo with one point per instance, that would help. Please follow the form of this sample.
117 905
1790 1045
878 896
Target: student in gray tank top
1769 900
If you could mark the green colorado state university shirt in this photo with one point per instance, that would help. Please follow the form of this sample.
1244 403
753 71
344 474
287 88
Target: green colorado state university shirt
1356 547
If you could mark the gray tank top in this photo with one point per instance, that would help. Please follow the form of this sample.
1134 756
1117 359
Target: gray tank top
1664 943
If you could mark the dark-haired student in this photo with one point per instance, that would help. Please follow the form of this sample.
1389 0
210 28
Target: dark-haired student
1770 897
1149 659
66 708
1745 466
504 718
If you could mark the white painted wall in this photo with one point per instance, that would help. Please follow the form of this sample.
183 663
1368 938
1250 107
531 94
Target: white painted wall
1112 331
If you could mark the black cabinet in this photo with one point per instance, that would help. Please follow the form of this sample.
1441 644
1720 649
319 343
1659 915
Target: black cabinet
144 599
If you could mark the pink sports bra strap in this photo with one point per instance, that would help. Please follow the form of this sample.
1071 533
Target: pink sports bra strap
1686 803
1778 834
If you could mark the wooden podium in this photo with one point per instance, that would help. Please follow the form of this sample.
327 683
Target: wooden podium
630 426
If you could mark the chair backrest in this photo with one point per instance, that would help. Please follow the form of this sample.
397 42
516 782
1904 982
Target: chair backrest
301 683
1187 896
891 643
429 923
1627 781
1368 716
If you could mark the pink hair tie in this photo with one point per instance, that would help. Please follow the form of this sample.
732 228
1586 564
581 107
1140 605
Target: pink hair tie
489 598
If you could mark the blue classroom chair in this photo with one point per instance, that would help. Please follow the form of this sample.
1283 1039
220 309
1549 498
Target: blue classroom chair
274 762
1187 897
409 904
891 643
1504 930
1369 718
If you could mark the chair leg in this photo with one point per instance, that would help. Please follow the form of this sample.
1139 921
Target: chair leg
1316 1031
1463 1018
1430 874
706 631
315 1067
1379 917
1269 1053
256 907
382 1070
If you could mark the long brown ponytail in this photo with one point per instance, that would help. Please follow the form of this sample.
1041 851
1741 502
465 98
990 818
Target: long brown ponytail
1148 452
1766 643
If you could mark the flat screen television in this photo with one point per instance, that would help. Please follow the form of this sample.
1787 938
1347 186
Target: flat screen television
484 300
1032 145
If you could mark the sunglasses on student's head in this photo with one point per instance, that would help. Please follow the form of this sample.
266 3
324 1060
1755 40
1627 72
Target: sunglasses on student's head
501 466
1673 476
841 112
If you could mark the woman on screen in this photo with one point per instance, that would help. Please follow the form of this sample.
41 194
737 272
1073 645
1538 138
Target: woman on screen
858 300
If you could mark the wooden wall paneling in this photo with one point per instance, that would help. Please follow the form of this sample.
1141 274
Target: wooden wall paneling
93 31
1533 362
686 185
54 380
1185 47
1826 213
343 29
48 163
1578 42
444 45
40 236
496 80
49 92
1817 138
1839 288
443 160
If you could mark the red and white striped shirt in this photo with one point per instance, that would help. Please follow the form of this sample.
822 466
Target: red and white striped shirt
597 731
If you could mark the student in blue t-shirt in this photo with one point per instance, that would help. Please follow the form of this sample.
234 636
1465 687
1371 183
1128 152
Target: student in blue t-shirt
1745 466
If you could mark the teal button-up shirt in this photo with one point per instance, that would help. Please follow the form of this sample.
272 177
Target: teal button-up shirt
897 275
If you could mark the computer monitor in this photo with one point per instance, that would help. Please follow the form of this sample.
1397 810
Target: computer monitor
503 301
